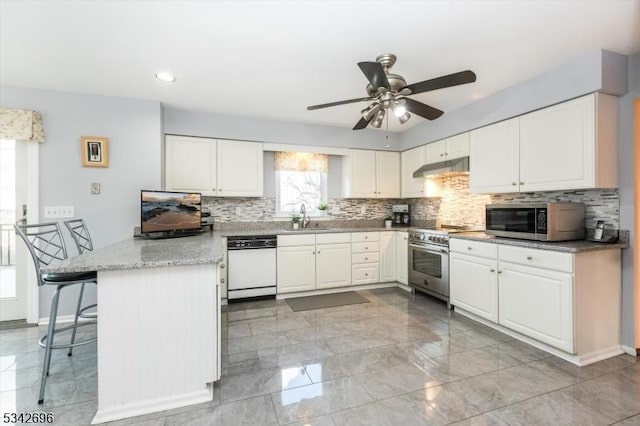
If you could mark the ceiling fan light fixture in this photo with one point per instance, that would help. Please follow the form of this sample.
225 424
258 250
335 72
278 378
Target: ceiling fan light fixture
399 109
404 117
377 122
370 111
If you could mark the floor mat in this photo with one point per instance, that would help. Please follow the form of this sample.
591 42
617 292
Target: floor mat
308 303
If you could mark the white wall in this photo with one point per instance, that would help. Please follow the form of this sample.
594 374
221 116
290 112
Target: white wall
134 131
626 167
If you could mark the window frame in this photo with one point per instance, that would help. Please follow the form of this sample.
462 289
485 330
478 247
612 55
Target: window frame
311 212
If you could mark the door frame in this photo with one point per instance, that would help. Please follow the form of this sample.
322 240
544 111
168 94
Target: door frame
33 216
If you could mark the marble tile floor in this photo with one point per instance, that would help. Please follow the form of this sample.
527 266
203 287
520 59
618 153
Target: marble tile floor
401 359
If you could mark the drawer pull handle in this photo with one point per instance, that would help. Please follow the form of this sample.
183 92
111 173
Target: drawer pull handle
366 248
492 270
529 258
521 183
318 251
513 183
366 258
222 266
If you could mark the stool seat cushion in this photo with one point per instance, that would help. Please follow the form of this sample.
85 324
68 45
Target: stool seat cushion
62 277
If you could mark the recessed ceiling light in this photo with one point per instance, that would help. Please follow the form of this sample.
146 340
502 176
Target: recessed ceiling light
167 77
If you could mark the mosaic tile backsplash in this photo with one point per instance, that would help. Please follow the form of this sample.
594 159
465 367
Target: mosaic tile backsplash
456 206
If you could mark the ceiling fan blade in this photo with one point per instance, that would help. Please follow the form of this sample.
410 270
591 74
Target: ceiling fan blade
375 74
362 123
423 110
455 79
348 101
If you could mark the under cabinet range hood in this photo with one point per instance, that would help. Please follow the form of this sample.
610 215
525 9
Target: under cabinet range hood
444 168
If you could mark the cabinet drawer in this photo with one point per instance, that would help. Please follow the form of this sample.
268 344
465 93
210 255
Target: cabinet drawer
365 258
473 248
334 238
359 237
296 240
365 247
366 273
537 258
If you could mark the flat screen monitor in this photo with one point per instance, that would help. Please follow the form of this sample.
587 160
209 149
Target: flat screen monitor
164 211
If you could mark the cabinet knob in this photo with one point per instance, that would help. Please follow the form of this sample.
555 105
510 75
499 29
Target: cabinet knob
441 155
313 252
222 281
469 248
521 183
492 270
318 251
222 266
366 275
366 248
446 153
366 258
366 237
405 238
499 272
529 258
513 183
213 189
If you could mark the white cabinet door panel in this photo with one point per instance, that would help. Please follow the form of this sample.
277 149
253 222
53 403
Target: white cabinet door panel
364 273
190 164
387 174
402 257
537 303
333 265
494 158
457 146
387 256
474 285
434 152
411 161
296 268
240 166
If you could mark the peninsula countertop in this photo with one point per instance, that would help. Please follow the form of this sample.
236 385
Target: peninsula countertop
138 253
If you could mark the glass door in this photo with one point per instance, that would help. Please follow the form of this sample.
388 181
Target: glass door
13 254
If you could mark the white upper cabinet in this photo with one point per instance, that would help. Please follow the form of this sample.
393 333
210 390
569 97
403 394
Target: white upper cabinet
572 145
371 174
447 149
494 158
190 165
219 168
412 160
240 167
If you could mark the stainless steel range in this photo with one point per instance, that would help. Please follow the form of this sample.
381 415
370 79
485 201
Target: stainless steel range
429 260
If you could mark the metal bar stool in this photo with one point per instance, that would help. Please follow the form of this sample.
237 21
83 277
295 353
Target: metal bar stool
81 237
45 244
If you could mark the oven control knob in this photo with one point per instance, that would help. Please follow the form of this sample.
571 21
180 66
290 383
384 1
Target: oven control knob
422 236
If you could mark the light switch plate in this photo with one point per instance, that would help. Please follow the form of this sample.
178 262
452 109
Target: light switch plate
67 211
51 212
363 209
95 188
335 210
238 211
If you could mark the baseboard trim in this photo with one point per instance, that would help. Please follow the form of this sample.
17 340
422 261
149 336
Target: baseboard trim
631 351
336 290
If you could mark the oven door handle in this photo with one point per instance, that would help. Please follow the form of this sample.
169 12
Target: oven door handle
438 250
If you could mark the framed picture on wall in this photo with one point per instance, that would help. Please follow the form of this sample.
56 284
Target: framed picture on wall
95 151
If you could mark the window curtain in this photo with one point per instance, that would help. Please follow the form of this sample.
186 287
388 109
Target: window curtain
21 124
302 162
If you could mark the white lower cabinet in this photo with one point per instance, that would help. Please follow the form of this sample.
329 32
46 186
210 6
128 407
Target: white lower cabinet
474 285
402 257
364 273
387 256
538 303
296 268
568 301
333 265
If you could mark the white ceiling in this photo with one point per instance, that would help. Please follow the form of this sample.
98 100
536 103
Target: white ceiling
273 58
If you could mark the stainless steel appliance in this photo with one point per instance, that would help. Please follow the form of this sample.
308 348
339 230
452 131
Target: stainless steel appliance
252 266
401 215
429 261
540 221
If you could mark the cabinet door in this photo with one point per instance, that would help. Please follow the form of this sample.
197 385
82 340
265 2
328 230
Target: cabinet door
557 146
190 164
412 160
240 167
538 303
457 146
296 268
402 257
434 152
474 285
333 265
387 256
387 174
359 174
494 158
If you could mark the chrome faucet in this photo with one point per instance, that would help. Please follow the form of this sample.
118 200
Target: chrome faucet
305 220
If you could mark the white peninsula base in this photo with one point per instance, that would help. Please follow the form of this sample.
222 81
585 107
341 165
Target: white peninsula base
158 339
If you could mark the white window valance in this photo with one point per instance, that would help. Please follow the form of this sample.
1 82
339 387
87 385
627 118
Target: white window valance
21 124
302 162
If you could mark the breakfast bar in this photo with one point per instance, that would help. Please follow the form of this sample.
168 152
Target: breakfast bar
159 323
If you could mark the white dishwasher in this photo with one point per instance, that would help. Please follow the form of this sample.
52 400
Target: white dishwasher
252 266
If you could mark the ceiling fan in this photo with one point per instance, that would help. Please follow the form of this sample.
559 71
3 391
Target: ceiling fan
388 90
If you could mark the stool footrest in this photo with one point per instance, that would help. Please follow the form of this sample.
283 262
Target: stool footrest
43 340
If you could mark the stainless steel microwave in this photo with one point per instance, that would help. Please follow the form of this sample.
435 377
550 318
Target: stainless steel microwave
540 221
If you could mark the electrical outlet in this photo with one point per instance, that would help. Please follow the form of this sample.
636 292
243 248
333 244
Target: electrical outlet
51 212
335 210
363 209
95 188
238 211
67 211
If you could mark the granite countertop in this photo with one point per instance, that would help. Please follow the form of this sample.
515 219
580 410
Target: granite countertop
137 253
563 246
310 230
